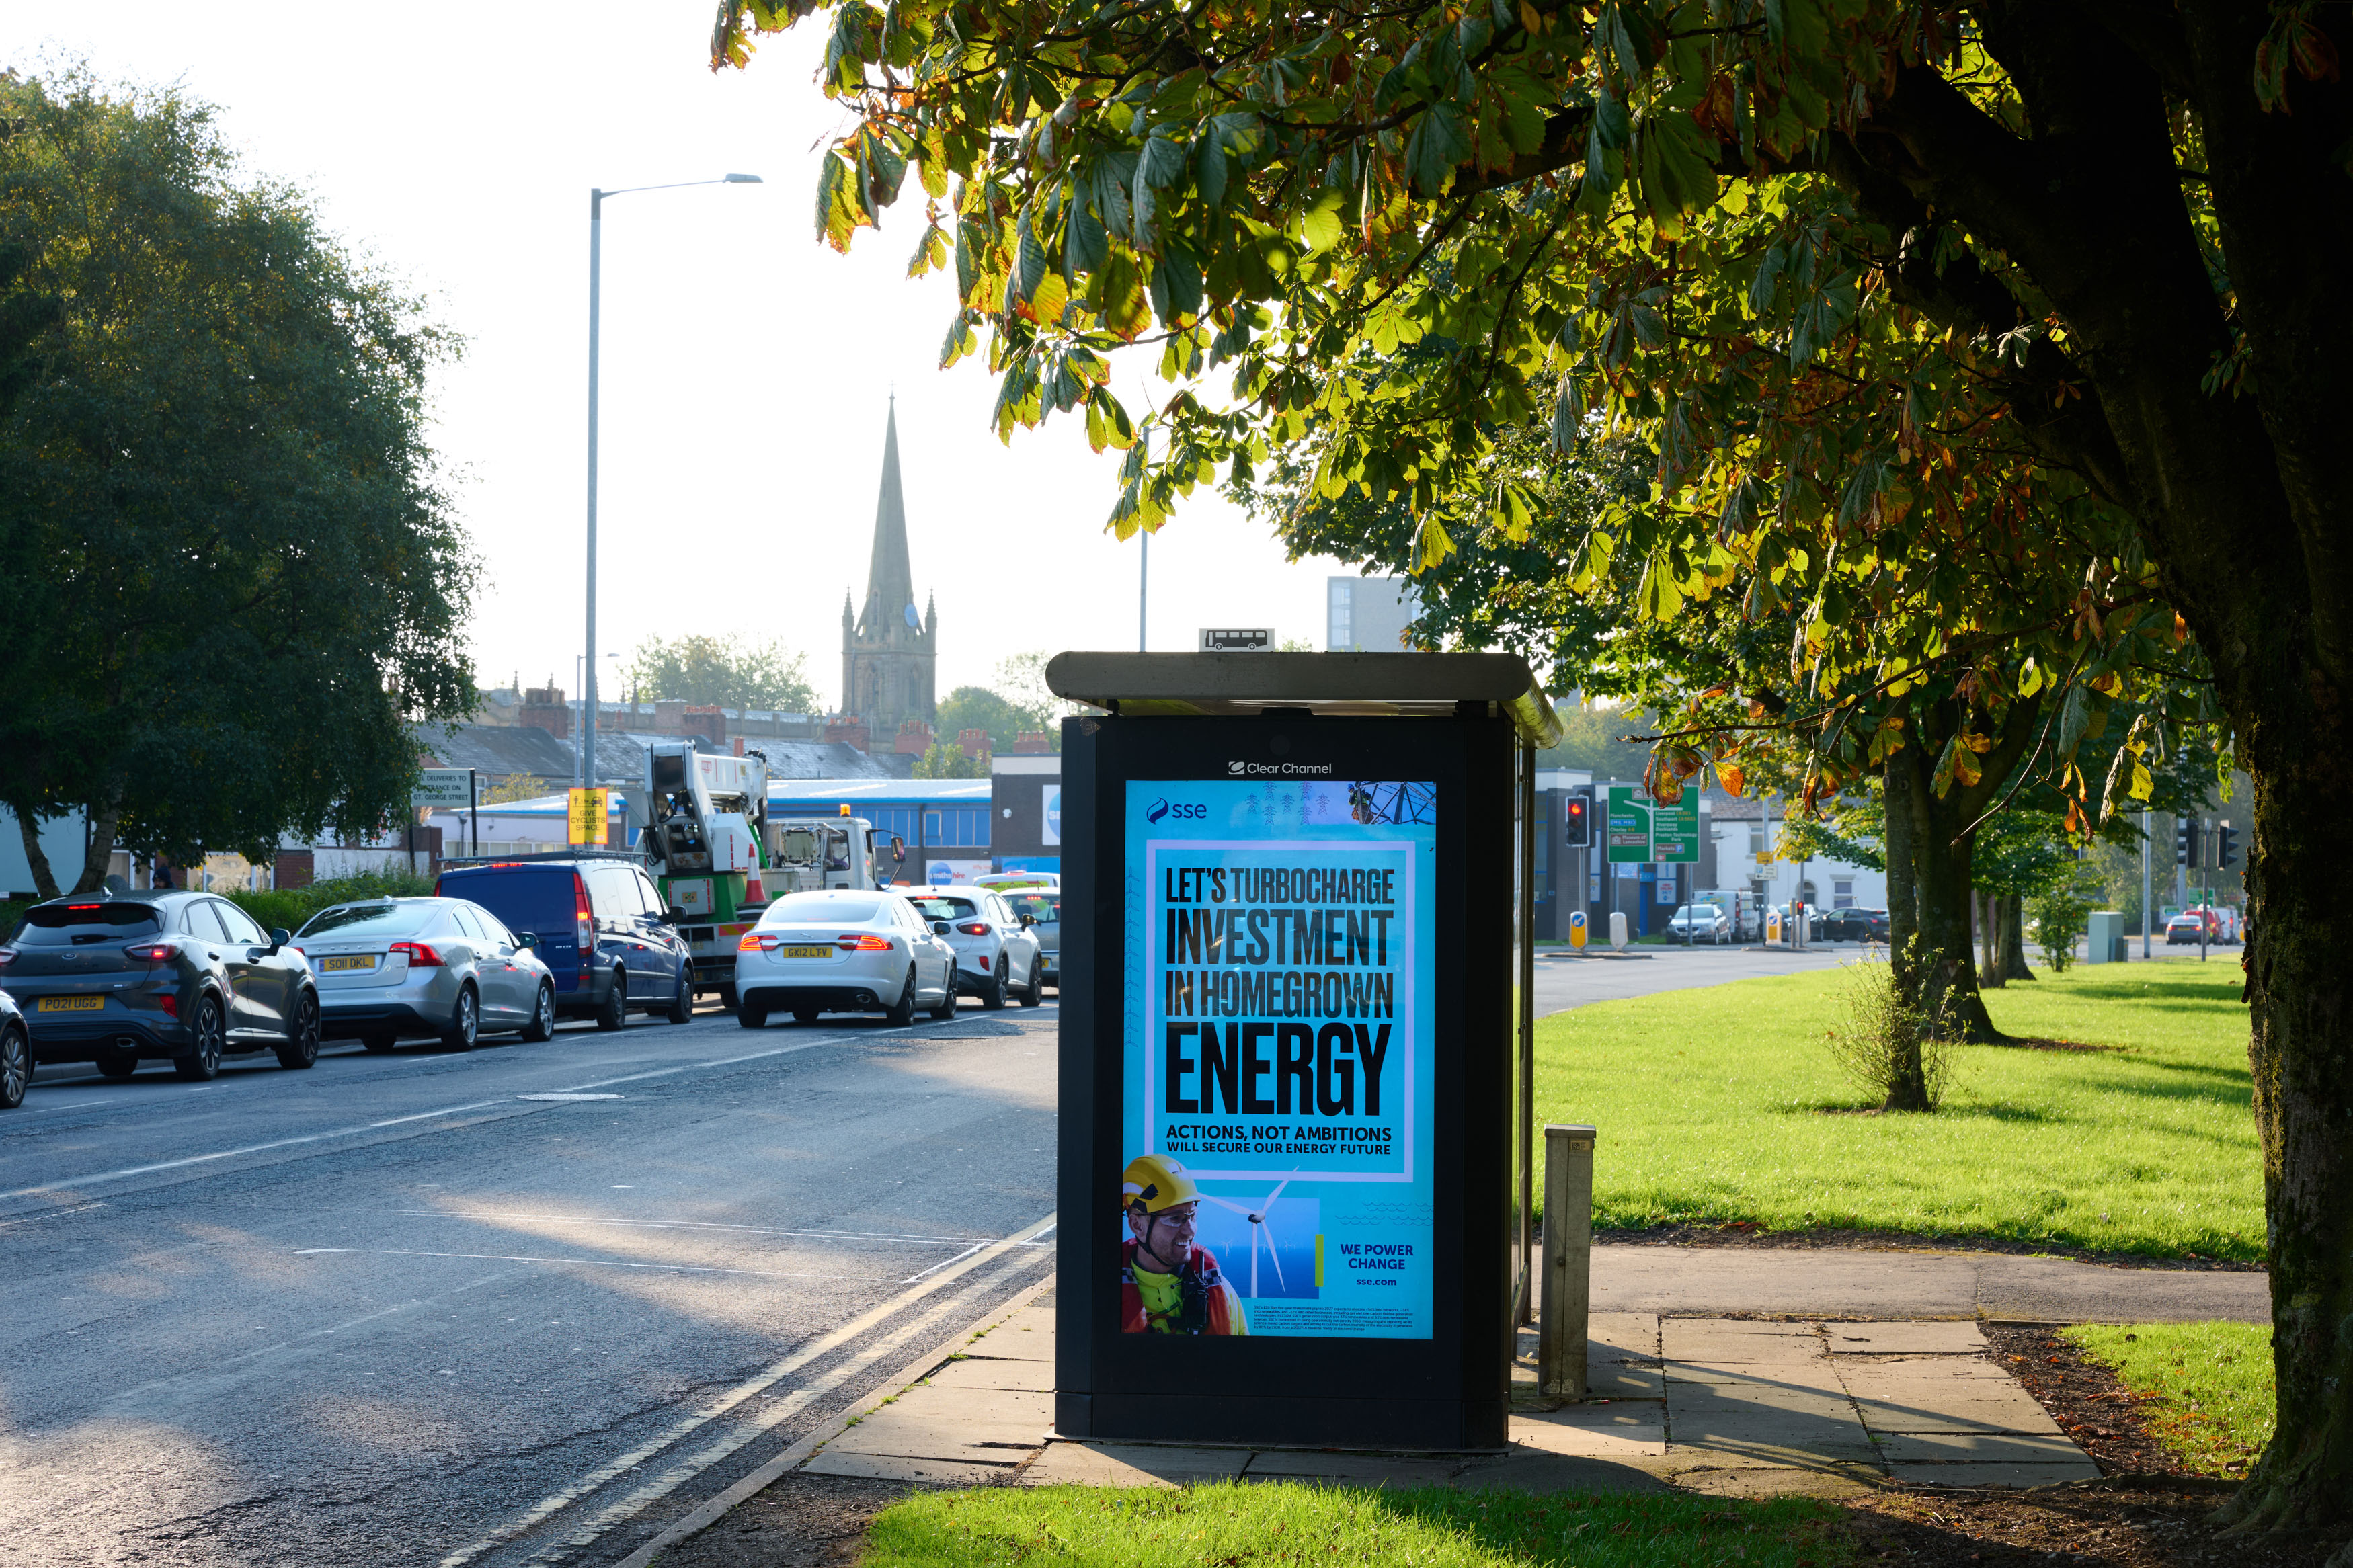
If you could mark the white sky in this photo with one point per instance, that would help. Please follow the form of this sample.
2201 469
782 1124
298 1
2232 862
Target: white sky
745 365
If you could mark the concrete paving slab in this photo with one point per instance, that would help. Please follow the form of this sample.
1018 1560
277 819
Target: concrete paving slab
1906 1371
1027 1335
1978 1447
1816 1372
1739 1349
1620 1336
2020 1413
1131 1465
1905 1339
932 1422
1619 1380
1770 1481
1995 1475
1543 1474
1711 1400
1351 1469
1859 1282
897 1468
1618 1430
996 1372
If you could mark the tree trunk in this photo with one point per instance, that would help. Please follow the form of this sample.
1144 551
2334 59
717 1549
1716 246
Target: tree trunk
2013 940
45 880
1987 909
1909 1085
104 818
2301 1054
1941 852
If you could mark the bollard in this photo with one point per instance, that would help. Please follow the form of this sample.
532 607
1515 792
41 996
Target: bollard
1567 1261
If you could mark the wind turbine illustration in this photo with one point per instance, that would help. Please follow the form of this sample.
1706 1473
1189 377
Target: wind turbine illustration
1258 1227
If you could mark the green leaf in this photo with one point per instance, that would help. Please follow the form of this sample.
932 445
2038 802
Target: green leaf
1440 144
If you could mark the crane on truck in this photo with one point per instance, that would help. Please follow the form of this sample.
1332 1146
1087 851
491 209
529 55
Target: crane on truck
718 857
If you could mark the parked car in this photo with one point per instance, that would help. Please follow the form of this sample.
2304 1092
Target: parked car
15 1054
843 950
118 978
996 956
1041 910
1699 923
1010 881
599 926
445 968
1850 925
2184 928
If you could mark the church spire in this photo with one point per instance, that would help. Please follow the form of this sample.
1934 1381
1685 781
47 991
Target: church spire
890 580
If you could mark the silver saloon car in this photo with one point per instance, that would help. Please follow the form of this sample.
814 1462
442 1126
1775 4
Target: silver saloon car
393 968
839 950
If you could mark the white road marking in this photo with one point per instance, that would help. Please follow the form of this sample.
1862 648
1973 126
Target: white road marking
585 1262
686 1426
124 1175
568 1097
697 1225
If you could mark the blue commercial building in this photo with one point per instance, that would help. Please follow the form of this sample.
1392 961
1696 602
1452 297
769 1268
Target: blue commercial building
943 822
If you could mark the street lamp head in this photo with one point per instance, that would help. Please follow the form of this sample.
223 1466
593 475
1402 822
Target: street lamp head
742 180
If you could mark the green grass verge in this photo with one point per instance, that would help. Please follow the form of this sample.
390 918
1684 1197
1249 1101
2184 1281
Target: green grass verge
2208 1386
1276 1522
1723 1104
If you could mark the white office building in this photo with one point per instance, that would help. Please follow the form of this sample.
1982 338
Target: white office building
1369 615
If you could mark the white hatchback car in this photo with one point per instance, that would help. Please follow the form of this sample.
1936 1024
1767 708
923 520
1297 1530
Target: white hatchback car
996 952
843 950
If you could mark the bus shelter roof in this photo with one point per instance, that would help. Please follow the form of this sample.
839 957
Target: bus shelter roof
1371 685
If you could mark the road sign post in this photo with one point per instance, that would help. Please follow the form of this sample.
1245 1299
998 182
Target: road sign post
1295 1045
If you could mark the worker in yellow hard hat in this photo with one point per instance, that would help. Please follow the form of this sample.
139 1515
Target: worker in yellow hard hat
1168 1285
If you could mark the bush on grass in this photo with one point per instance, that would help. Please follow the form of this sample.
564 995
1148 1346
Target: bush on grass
1892 1048
1232 1522
2208 1386
2060 916
290 907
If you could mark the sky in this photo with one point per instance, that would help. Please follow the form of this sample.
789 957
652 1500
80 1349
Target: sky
746 367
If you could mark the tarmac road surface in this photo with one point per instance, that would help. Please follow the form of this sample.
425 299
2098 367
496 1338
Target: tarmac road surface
513 1306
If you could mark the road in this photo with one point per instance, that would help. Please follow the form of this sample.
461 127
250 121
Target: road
1564 981
515 1306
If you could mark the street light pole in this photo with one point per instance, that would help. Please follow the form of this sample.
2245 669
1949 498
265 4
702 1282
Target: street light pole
1143 587
596 298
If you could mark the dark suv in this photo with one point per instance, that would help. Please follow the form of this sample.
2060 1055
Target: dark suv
600 926
117 978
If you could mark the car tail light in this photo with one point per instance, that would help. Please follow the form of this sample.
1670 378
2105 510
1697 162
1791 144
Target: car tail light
420 954
85 906
755 941
583 921
973 928
867 943
7 956
171 1005
150 952
984 963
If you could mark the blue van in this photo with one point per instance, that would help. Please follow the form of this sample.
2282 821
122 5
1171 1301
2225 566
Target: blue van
601 928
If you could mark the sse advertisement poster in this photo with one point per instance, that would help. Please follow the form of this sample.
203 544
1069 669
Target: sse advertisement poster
1278 1087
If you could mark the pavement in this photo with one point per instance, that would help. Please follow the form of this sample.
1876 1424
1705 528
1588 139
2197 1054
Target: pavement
521 1305
1730 1407
1566 980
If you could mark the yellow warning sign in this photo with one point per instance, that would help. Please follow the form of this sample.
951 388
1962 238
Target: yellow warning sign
587 816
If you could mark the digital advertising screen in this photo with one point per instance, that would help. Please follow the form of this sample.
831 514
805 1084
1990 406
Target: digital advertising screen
1278 1081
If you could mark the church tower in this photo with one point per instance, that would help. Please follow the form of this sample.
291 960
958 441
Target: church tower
887 646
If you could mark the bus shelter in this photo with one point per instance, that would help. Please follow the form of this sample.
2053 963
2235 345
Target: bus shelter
1296 1046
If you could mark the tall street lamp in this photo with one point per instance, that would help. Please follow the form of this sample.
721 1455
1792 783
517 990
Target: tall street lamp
596 284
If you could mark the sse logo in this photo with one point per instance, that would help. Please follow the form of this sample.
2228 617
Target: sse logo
1181 811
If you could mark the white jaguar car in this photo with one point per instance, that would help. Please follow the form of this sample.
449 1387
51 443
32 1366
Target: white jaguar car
843 951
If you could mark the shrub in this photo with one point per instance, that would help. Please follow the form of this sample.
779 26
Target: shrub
2061 915
290 907
1890 1048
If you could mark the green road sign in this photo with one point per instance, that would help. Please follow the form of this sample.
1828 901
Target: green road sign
1674 829
1630 827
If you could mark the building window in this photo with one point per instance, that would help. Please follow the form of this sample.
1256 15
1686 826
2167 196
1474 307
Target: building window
1339 634
1841 893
